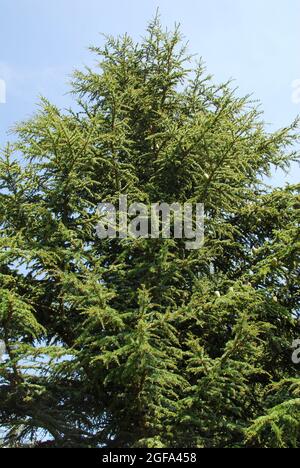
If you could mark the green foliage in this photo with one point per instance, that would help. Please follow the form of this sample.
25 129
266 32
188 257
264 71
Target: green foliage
141 343
280 427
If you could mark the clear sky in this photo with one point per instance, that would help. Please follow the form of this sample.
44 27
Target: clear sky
255 42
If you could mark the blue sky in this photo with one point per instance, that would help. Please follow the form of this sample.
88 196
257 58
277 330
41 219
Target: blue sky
256 42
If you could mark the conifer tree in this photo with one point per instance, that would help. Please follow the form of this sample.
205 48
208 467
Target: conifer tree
140 342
